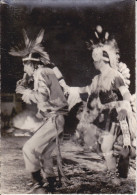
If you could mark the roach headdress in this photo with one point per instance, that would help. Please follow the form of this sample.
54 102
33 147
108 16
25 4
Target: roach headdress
33 50
106 49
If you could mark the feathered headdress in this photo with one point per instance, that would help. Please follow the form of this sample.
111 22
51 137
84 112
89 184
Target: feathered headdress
106 49
33 50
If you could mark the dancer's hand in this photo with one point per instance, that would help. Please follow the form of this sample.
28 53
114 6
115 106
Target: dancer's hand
119 150
66 90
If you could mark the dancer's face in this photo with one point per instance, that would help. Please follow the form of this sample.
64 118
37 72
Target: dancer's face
98 64
80 112
101 65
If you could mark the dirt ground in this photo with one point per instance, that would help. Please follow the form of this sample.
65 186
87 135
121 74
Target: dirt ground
86 172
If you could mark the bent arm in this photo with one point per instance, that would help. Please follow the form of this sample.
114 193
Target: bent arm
125 93
65 86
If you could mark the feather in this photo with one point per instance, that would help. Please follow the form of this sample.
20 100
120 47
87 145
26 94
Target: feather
127 82
26 39
96 34
124 70
124 66
39 37
99 29
21 53
106 35
91 41
13 52
89 46
126 75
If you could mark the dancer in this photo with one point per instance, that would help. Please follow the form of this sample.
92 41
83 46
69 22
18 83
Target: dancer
109 104
40 86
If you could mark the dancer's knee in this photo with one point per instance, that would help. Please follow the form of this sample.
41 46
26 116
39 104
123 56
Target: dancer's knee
107 142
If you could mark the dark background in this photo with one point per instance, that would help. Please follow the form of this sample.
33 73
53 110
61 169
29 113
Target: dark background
67 28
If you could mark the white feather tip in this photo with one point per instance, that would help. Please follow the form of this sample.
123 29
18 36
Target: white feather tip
40 36
99 29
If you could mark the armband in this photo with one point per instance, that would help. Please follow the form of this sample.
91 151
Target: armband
57 72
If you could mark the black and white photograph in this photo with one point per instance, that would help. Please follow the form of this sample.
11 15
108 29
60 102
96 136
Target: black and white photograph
68 97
